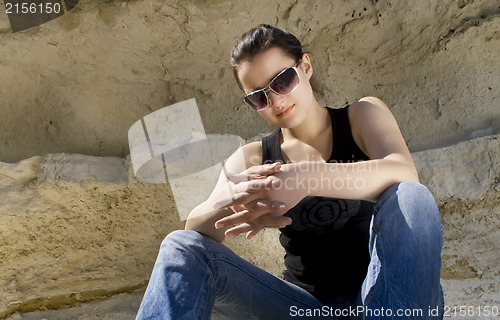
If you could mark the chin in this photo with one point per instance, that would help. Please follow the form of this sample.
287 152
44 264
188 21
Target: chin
289 123
294 120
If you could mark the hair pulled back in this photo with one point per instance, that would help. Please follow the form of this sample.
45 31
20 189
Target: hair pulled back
258 40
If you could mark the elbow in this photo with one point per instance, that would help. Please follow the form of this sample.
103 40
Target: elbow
398 174
411 174
406 173
400 169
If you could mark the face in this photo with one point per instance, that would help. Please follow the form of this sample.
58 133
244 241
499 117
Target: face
285 111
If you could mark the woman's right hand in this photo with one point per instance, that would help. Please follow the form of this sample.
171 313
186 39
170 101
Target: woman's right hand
251 186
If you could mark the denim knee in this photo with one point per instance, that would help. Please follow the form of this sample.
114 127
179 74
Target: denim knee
180 237
416 198
405 249
415 204
181 244
189 245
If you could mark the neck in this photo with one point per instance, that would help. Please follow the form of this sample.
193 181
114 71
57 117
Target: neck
316 122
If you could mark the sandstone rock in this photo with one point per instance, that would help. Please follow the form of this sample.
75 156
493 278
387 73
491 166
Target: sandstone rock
74 238
77 228
73 232
77 83
467 170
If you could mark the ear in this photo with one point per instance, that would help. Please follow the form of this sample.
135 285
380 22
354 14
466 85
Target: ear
306 65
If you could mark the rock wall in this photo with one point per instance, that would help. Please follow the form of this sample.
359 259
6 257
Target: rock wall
77 83
78 230
74 228
465 180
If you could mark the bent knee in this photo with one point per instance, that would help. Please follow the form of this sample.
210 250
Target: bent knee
188 242
416 195
414 201
409 191
413 188
180 238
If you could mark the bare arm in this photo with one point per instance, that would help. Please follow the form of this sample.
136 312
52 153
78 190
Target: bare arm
376 132
251 182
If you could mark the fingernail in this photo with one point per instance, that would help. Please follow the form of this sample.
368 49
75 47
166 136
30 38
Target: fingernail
282 206
219 225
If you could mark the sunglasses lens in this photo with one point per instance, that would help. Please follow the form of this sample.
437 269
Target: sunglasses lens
285 82
257 100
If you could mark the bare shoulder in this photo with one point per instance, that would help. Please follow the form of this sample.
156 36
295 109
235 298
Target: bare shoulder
368 112
373 126
367 105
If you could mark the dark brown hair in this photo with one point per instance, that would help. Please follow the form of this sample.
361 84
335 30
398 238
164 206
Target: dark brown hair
259 39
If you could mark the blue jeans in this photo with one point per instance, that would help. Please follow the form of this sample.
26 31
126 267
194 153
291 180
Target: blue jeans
195 274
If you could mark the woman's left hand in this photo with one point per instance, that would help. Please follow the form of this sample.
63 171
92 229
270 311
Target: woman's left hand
247 219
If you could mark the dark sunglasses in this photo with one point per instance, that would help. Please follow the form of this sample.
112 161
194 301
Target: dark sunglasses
284 83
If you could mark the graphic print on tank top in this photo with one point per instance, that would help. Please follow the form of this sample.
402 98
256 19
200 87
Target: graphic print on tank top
322 215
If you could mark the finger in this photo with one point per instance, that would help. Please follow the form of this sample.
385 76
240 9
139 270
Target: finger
255 172
251 211
263 170
253 227
244 176
270 221
235 200
237 177
242 228
236 218
255 185
239 207
250 234
240 193
264 206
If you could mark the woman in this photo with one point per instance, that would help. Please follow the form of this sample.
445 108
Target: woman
362 236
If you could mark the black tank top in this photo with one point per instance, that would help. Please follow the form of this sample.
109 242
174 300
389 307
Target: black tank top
327 243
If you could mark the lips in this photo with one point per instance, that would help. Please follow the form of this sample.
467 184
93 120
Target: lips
285 111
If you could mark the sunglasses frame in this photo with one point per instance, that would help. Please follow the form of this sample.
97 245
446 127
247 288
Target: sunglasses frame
268 88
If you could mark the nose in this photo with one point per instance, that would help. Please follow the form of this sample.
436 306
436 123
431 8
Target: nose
276 100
